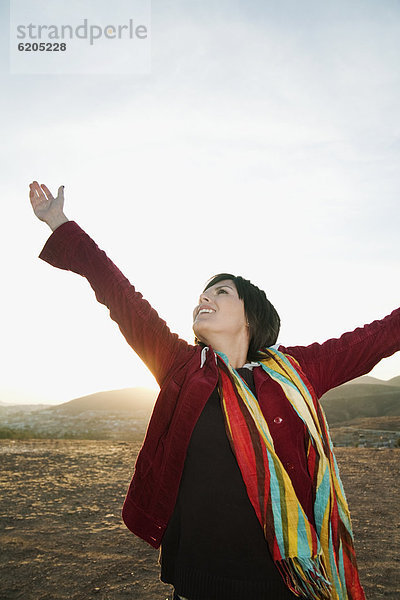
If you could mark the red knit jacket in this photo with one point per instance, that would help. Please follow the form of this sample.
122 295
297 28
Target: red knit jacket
187 378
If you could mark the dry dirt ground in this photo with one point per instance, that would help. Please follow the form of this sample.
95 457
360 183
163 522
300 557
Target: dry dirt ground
62 536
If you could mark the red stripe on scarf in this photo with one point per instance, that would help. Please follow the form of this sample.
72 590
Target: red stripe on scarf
240 433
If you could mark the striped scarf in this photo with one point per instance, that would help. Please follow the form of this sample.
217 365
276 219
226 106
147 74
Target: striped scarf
315 562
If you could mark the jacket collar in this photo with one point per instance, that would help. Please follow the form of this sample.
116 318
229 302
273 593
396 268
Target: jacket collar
203 357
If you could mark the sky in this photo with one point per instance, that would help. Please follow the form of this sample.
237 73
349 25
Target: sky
264 140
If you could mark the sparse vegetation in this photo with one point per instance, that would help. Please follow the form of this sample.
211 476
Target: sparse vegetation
8 433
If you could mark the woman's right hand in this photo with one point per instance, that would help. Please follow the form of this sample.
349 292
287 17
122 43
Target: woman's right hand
45 206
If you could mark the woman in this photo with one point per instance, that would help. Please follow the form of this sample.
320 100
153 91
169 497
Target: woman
236 479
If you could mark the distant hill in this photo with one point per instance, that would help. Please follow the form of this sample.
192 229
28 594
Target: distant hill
368 379
364 397
116 414
127 400
364 404
358 400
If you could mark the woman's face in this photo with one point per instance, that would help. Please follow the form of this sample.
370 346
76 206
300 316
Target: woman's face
220 311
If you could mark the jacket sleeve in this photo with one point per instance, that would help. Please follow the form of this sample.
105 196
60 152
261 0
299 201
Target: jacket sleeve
353 354
70 248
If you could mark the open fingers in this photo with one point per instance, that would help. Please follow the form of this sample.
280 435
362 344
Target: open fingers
38 194
33 195
39 190
47 192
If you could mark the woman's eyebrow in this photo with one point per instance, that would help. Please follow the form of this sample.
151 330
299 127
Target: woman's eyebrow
223 286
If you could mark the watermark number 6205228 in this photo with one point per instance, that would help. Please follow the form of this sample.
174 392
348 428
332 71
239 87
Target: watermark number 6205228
42 47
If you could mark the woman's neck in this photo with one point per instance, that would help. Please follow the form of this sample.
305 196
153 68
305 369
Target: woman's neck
236 350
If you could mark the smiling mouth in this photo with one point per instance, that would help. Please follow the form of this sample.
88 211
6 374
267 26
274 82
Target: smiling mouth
204 311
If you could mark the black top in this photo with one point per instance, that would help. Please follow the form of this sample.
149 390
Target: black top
214 547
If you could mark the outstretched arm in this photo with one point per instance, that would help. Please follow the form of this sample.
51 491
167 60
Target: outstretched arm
70 248
353 354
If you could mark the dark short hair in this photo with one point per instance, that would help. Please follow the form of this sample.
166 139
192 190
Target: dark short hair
264 321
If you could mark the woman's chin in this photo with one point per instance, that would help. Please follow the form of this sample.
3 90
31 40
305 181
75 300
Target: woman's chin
200 334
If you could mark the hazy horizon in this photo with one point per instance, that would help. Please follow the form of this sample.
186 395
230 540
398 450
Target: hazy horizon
25 401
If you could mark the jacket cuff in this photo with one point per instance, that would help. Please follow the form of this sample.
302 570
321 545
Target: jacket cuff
53 250
141 524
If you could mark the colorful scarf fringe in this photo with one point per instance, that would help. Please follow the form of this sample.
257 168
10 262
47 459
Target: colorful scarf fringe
315 563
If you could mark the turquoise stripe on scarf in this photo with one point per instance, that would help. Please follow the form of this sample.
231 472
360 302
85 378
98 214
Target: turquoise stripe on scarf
320 501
